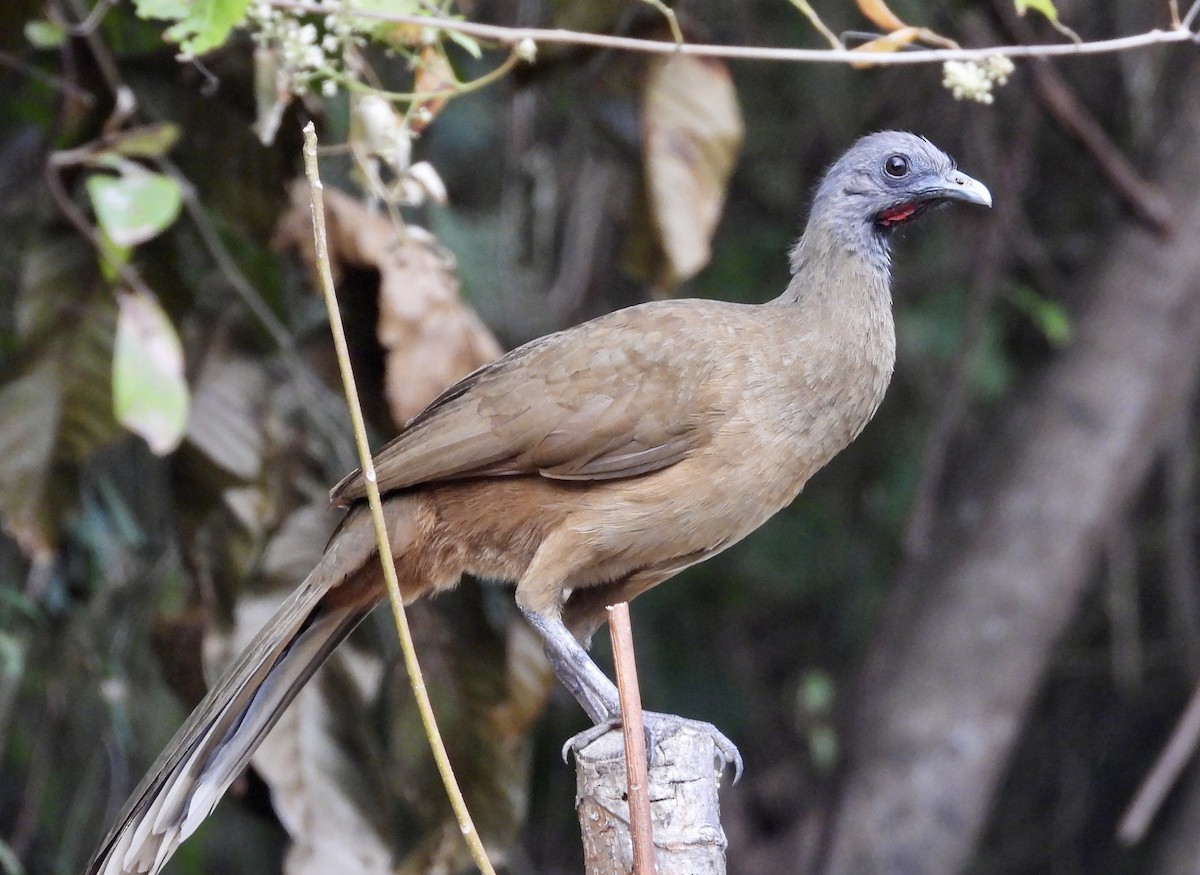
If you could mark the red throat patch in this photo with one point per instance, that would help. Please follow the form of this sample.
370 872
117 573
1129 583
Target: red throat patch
897 215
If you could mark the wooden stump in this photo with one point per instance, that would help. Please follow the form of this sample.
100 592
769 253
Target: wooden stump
685 775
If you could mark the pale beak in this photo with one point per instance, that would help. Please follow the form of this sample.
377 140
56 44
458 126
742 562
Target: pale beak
960 187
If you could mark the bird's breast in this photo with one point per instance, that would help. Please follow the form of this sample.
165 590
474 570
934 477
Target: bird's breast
808 393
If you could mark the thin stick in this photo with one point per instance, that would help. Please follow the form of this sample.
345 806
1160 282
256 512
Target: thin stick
634 731
1190 18
420 693
1162 777
672 21
511 35
818 25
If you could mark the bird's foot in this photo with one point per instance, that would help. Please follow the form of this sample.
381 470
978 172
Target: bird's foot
657 724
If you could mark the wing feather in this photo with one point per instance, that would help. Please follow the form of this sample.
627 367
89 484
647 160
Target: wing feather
607 400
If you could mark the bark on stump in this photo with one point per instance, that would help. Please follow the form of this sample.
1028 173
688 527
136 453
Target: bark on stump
685 776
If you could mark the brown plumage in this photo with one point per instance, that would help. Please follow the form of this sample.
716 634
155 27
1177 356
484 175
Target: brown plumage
587 466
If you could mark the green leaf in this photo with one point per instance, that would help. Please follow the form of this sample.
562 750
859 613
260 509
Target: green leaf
167 10
148 141
205 24
404 34
1049 316
468 44
823 747
134 206
12 656
1046 7
10 862
113 257
991 366
150 394
43 34
817 692
398 7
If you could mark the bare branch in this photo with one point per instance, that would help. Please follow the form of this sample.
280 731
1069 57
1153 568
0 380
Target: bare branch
512 35
633 731
981 617
1190 18
1146 199
1162 777
818 24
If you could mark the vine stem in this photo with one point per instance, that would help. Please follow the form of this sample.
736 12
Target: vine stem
512 35
456 90
416 678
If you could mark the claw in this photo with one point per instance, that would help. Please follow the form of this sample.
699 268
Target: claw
583 739
727 752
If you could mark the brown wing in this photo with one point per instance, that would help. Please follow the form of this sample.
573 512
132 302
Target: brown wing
604 400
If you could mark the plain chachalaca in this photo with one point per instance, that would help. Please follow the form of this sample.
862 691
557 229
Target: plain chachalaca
587 466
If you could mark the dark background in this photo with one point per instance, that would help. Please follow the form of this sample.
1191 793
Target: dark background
963 647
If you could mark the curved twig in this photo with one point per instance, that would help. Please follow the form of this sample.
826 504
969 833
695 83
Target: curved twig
420 693
512 35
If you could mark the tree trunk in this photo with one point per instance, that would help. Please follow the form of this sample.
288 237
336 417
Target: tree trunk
947 687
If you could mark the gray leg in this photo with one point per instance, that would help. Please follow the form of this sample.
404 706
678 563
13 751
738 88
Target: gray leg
575 669
598 695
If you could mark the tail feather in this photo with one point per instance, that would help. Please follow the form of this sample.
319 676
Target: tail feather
218 739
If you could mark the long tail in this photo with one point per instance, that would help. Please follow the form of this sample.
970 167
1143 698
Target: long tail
218 739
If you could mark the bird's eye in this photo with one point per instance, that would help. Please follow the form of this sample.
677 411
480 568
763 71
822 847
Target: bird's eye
896 166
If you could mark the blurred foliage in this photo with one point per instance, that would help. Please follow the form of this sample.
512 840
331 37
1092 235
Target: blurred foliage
119 562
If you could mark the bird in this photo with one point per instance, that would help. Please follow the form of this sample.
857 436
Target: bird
586 467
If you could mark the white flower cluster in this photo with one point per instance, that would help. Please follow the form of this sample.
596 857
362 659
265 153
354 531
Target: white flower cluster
386 140
302 53
973 80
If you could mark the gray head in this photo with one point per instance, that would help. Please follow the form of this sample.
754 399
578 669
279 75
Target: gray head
885 181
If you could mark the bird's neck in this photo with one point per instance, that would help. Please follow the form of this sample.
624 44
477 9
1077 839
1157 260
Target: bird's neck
839 304
845 268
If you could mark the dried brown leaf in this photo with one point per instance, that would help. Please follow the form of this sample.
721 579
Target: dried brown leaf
489 680
319 758
430 337
228 403
272 93
529 679
297 545
58 404
880 15
898 34
32 405
348 761
892 42
433 74
692 130
899 39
